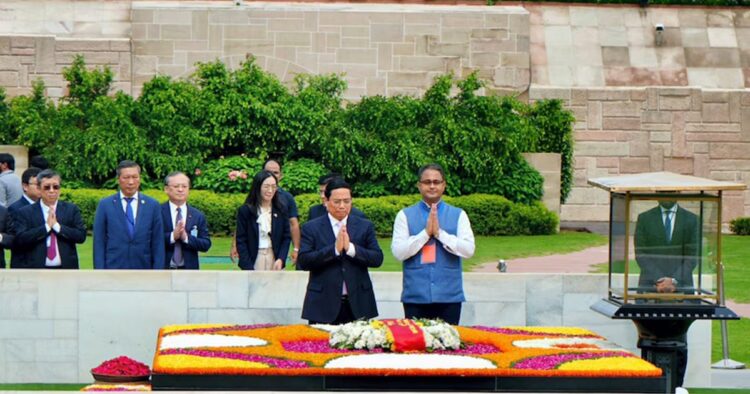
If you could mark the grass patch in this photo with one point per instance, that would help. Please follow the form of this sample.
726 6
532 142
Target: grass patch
488 249
739 341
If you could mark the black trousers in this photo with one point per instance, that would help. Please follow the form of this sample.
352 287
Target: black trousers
345 313
449 312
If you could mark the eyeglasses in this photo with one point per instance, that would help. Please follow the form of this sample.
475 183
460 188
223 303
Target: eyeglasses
51 187
434 182
269 187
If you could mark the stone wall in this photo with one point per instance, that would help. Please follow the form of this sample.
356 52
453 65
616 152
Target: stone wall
24 59
617 45
66 18
56 326
380 49
630 130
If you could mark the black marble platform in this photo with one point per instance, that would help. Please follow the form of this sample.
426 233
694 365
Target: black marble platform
162 382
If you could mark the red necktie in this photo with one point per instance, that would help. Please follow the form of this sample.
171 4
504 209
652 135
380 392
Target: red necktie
52 248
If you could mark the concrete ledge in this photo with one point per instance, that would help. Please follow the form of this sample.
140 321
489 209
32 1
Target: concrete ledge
70 321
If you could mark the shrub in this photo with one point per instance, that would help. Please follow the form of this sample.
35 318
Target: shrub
740 226
232 174
489 215
378 143
301 176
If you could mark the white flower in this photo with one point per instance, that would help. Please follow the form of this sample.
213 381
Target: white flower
438 335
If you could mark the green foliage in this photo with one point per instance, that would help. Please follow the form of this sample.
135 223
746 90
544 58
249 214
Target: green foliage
232 174
555 134
377 143
489 215
740 226
301 176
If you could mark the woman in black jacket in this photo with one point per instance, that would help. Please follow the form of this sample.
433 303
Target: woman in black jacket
263 235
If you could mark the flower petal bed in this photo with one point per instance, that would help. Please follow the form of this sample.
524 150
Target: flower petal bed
302 350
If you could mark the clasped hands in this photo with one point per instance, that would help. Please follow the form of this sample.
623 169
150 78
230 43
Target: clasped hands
342 241
665 285
433 225
179 232
51 218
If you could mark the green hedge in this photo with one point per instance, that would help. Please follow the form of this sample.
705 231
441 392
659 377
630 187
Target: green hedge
205 124
489 215
740 226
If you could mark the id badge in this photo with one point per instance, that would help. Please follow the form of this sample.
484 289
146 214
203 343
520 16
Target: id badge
429 252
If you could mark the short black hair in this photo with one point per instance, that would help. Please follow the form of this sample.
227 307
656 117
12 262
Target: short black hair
8 159
30 172
325 179
336 183
174 174
254 197
127 164
46 174
39 162
277 161
431 166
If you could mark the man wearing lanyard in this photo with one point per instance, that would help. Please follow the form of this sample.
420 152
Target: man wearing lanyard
432 237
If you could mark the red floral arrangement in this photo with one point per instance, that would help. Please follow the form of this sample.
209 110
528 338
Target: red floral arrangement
122 366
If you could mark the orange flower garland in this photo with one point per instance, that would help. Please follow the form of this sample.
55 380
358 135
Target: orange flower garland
301 350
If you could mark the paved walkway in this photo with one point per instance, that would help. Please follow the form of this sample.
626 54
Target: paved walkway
575 263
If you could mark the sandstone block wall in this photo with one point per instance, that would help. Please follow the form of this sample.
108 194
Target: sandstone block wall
24 59
630 130
379 49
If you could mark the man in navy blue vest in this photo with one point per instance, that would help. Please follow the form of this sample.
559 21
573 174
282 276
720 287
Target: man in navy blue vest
431 237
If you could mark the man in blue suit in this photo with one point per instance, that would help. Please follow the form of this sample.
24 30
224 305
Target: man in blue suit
338 249
48 230
128 227
185 227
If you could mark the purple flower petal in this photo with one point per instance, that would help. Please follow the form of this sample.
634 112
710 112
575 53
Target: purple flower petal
508 331
552 361
212 330
274 362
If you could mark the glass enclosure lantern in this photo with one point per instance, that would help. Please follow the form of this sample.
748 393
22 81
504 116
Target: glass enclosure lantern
665 238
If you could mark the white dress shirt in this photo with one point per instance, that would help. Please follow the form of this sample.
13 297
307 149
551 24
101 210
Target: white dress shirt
404 246
336 225
173 212
133 204
672 215
56 228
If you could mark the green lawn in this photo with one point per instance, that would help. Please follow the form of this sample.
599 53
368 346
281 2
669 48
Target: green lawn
488 249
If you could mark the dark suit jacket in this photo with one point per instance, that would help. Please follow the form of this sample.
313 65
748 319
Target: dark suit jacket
328 271
195 222
17 256
657 258
31 234
113 247
247 236
5 230
23 202
319 210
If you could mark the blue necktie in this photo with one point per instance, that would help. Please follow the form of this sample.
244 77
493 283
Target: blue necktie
130 217
177 256
668 226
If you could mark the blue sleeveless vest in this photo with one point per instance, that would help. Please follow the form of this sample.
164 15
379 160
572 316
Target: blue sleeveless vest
439 282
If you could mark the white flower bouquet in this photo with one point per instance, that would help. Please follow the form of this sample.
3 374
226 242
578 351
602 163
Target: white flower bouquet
380 334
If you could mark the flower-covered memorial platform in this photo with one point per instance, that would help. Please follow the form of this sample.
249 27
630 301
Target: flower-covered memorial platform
396 354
